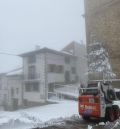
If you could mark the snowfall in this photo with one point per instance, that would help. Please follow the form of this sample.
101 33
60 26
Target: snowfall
40 116
37 116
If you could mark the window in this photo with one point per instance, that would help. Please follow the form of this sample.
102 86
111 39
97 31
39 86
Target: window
51 68
32 59
59 69
73 70
55 68
76 78
27 88
31 72
35 87
5 97
67 60
110 95
67 76
25 101
51 87
17 90
12 92
32 87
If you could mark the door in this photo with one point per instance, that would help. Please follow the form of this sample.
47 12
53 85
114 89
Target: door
67 76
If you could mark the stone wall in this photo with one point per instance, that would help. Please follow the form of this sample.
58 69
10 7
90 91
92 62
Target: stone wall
103 24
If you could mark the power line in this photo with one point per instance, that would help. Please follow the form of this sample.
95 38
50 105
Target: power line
10 54
54 58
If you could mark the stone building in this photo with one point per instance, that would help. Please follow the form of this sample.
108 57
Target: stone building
103 25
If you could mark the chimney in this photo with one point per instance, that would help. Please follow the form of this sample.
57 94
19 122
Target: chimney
37 47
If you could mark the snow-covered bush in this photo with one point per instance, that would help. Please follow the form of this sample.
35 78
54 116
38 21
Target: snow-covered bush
99 62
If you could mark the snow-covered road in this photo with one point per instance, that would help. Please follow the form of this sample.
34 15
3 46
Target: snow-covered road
31 117
41 116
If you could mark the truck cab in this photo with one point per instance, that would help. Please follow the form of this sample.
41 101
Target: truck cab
97 100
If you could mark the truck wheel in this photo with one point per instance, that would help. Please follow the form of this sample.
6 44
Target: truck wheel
110 114
116 111
86 118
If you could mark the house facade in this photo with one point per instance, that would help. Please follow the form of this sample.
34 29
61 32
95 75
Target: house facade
11 89
44 69
15 93
46 74
79 50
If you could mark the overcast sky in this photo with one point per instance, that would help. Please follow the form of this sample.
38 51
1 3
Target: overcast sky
48 23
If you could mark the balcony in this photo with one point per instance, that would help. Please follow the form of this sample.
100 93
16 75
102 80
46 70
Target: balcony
31 77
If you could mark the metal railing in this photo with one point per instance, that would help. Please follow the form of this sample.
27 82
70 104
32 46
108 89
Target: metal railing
60 91
55 96
31 76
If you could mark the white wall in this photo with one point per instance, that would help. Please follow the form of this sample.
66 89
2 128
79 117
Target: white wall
57 60
68 67
15 82
33 97
60 60
46 77
40 72
40 69
3 89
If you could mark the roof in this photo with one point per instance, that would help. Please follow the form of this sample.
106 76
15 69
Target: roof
45 50
2 74
70 48
75 48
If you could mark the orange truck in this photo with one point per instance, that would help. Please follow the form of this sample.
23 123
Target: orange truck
97 101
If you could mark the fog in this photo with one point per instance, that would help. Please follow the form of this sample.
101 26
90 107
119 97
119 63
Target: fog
48 23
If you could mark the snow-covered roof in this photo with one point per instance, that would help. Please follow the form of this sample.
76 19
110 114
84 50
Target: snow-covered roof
67 52
44 50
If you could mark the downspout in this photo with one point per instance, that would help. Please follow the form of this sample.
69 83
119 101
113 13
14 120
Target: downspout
46 81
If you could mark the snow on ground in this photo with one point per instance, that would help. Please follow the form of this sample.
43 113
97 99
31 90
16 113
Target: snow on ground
28 118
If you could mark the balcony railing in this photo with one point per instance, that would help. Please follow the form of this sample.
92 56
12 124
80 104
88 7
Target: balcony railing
31 76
